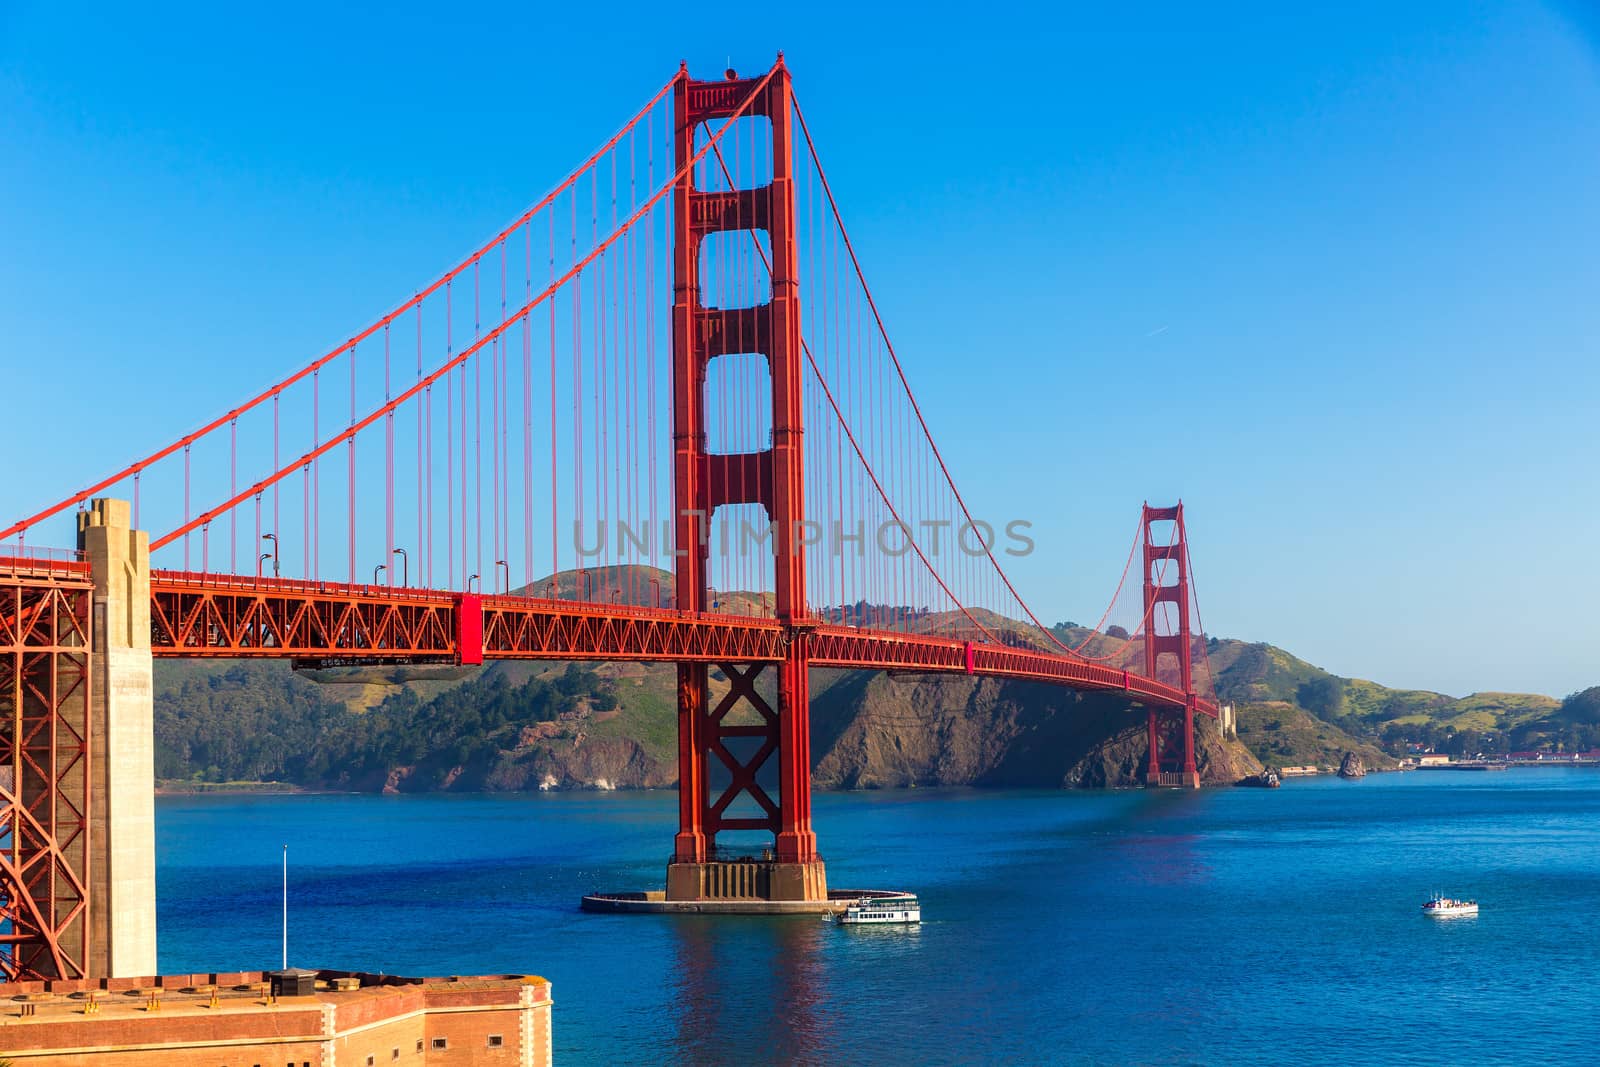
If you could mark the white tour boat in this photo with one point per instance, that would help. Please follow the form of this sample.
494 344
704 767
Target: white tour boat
1442 906
901 908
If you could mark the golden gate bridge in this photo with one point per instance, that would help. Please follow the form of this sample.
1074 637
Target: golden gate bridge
658 417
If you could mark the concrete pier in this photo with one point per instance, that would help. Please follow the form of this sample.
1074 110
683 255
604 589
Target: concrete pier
747 879
746 885
122 824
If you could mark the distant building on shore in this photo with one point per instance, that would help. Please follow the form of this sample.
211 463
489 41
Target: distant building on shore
301 1019
1541 756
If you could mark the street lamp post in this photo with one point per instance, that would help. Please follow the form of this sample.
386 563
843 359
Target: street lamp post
473 578
379 569
260 560
502 563
274 539
405 567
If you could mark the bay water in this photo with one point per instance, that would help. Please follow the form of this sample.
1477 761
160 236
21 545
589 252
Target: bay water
1213 927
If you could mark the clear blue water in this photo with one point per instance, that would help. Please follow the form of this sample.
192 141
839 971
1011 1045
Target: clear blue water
1215 927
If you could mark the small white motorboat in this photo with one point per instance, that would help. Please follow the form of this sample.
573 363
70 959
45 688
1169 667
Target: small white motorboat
900 908
1443 907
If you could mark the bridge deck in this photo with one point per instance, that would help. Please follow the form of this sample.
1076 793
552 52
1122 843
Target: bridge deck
209 615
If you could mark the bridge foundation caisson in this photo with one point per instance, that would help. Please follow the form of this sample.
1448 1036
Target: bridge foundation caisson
1167 635
764 715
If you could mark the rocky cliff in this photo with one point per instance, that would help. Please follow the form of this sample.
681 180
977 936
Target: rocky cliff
869 731
565 761
877 731
517 727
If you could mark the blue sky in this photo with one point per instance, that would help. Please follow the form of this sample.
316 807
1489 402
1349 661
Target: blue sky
1331 278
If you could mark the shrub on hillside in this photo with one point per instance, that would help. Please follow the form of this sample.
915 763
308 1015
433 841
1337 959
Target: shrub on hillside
1323 696
1583 707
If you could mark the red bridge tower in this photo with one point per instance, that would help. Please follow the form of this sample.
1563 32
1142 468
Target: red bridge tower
1166 581
745 729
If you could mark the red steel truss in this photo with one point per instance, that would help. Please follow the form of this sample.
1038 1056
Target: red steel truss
554 629
209 615
199 615
765 735
45 644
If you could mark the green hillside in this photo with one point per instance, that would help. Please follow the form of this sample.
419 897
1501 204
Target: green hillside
1280 734
1268 684
1259 677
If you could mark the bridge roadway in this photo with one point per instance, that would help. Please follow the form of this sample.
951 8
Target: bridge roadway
198 615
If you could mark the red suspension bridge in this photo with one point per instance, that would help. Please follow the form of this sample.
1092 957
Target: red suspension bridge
658 417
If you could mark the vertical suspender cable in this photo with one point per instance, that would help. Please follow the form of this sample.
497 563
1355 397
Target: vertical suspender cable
601 386
494 432
527 415
276 465
423 550
577 409
597 379
350 452
656 529
555 497
388 463
186 505
449 445
477 435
